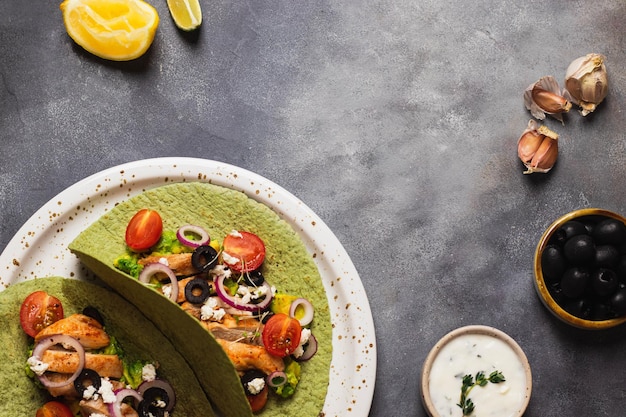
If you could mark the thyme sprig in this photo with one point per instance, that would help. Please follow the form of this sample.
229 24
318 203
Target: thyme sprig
466 404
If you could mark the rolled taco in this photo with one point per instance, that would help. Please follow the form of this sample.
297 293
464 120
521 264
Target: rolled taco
202 215
130 338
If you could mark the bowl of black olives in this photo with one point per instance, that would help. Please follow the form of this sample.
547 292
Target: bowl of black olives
580 268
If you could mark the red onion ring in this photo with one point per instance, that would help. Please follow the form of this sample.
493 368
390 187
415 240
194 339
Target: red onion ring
115 408
153 268
197 230
235 302
310 351
46 343
276 374
308 310
162 384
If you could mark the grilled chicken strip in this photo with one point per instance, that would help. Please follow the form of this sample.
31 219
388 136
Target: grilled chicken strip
66 362
180 263
86 330
246 357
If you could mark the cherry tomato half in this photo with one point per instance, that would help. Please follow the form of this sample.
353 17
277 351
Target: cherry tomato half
144 230
39 310
281 335
54 409
258 401
247 247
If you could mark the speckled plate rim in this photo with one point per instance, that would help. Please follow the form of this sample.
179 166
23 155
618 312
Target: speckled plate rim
540 285
472 329
39 249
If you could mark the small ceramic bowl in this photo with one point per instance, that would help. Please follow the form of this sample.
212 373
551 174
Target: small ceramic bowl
467 351
547 296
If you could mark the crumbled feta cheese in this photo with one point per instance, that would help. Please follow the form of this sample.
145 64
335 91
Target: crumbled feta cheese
274 290
210 310
90 392
164 261
148 372
37 366
167 290
256 385
236 233
230 259
106 390
221 269
304 338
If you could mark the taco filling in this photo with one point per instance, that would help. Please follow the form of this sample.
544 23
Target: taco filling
77 353
231 266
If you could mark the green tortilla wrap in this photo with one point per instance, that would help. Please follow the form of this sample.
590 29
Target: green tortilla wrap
288 266
138 337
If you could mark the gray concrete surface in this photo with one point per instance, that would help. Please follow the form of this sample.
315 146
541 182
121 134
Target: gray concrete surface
395 121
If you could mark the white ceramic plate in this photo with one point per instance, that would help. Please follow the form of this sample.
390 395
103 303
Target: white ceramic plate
39 249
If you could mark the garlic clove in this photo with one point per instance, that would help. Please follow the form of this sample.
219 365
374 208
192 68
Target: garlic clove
538 148
545 97
586 82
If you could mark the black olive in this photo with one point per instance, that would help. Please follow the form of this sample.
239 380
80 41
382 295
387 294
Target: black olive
610 231
604 282
579 249
580 308
574 282
265 317
601 311
197 291
253 278
607 256
618 302
568 230
148 409
249 376
552 263
87 378
94 314
204 258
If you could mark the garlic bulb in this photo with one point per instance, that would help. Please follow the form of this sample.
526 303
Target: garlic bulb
538 148
586 82
544 97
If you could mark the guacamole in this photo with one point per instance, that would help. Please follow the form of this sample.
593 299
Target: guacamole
287 266
139 339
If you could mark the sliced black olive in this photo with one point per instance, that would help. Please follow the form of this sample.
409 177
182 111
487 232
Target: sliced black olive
148 409
249 376
266 316
197 291
94 314
579 249
204 258
87 378
253 278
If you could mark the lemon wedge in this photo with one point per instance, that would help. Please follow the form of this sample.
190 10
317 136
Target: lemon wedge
118 30
187 14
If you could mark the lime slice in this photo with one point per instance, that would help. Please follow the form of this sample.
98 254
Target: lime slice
186 13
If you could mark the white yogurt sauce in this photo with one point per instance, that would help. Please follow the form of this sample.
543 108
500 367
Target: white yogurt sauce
469 354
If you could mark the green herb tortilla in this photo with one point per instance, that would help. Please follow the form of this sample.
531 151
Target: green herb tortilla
288 266
138 337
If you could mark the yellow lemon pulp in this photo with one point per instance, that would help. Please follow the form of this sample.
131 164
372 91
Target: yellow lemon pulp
186 13
119 30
